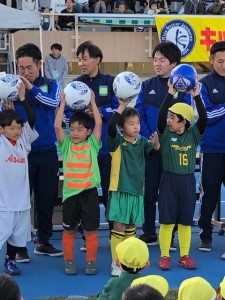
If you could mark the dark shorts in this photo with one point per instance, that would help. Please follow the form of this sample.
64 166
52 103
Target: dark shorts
177 198
83 208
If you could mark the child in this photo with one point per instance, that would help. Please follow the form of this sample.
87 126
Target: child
156 281
15 144
127 175
177 191
81 179
142 292
196 288
221 295
132 256
152 8
9 289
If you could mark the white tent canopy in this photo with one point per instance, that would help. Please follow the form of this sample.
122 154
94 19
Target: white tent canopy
11 18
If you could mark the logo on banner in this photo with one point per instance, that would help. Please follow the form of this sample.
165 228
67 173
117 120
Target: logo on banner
181 34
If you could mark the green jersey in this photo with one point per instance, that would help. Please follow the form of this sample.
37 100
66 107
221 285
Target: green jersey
128 164
80 165
179 150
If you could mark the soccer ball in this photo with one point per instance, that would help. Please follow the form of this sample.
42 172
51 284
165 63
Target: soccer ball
126 85
8 87
77 95
184 77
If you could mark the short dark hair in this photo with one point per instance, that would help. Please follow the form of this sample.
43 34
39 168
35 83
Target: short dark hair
181 119
169 50
142 292
9 289
29 50
82 118
93 50
218 46
127 113
8 116
131 270
56 46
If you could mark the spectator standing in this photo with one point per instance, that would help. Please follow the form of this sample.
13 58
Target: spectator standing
46 20
166 56
55 65
212 157
81 180
43 95
16 137
82 6
152 8
67 23
30 5
89 59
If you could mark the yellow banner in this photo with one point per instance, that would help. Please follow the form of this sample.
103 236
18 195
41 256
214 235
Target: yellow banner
194 35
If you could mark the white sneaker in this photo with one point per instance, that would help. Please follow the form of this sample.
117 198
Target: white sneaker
83 247
115 271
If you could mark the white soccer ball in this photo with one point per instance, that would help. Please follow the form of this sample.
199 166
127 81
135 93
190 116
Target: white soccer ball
126 85
77 95
8 87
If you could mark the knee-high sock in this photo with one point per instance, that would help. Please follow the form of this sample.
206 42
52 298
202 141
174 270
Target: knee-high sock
129 232
116 238
184 237
68 242
165 235
91 246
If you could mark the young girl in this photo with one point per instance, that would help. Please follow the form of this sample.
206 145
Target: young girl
126 191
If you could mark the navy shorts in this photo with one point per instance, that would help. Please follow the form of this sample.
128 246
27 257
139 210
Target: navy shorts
83 208
177 198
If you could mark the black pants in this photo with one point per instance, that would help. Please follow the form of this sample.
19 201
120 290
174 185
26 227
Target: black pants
43 172
212 176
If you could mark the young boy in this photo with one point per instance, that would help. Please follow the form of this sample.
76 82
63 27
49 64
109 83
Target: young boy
126 206
177 191
81 179
132 256
196 288
16 137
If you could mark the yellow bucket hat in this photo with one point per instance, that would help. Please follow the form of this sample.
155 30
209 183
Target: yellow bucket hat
196 288
222 288
155 281
133 253
183 109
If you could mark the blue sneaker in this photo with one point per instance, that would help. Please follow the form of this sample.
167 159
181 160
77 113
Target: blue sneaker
11 268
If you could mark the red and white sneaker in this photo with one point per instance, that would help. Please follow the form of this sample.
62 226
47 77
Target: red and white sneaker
164 263
187 262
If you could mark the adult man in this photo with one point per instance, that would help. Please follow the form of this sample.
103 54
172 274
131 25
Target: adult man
43 96
212 143
166 56
55 66
89 59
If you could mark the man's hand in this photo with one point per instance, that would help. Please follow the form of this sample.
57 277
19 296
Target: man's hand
26 82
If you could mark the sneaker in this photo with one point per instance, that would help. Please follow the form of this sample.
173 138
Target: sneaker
151 240
90 268
47 249
205 245
173 246
164 263
223 256
11 268
187 262
115 271
22 256
69 268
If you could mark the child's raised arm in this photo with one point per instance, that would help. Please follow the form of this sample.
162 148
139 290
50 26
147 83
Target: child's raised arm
97 131
58 120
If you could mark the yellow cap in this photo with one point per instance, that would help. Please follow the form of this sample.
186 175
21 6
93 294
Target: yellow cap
222 288
196 288
133 253
183 109
157 282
